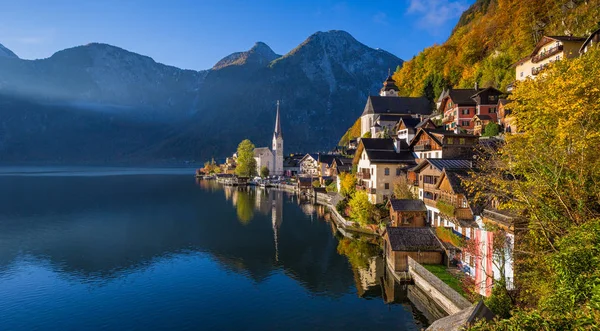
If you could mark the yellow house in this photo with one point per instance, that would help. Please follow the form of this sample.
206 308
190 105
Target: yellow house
546 51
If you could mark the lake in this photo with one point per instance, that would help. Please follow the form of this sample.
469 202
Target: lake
156 250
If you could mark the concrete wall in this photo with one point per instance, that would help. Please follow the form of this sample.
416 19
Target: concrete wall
443 295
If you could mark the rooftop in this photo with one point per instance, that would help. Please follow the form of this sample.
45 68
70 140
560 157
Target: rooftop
398 105
413 239
407 205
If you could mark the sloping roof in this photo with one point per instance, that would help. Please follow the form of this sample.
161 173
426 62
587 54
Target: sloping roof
449 164
463 97
566 38
410 122
504 101
492 89
587 41
388 118
407 205
261 150
397 105
413 239
391 157
484 117
343 161
442 95
423 122
326 158
462 319
455 178
389 84
375 144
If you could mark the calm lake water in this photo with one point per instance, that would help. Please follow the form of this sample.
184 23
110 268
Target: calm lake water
141 251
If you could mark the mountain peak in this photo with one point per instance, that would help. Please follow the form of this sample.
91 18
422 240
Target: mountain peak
260 54
5 52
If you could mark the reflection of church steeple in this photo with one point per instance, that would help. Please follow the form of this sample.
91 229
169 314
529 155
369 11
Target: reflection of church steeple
276 219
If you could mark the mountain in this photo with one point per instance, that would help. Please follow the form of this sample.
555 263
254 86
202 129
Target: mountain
101 104
5 52
490 36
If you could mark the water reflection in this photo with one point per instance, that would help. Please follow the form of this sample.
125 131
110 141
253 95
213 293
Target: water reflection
210 241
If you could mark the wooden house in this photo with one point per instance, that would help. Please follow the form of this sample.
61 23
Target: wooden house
480 122
547 50
442 144
460 105
407 213
591 41
419 243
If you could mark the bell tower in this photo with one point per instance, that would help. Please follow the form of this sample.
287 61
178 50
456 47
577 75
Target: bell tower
277 146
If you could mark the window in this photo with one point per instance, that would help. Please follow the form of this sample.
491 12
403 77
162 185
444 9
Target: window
465 111
450 141
493 110
464 203
461 141
521 73
465 123
420 194
386 171
386 186
398 171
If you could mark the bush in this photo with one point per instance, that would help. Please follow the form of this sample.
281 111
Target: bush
332 187
341 207
361 208
491 130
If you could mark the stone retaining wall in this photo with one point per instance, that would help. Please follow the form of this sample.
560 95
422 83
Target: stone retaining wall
446 297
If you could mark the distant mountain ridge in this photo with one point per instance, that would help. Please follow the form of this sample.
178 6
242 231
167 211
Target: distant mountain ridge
99 103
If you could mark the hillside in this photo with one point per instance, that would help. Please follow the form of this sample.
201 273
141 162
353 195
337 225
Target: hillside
101 104
489 37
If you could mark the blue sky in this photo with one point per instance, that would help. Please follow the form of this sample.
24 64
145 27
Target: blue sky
195 34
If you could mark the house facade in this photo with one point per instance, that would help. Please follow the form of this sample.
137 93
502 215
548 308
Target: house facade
459 106
309 165
417 242
264 158
442 144
546 51
407 213
379 165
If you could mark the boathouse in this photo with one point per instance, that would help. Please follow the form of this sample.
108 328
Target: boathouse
418 243
407 212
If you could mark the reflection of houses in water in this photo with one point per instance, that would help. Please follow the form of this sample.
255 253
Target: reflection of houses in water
368 279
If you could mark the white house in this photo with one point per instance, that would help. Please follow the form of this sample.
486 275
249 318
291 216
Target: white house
264 158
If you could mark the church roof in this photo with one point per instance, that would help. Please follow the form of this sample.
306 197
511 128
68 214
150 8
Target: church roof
397 105
389 84
261 151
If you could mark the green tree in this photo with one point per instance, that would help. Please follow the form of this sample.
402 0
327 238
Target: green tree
246 164
361 208
491 130
264 172
367 134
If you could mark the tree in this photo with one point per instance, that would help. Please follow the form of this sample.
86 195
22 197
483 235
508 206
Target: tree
211 167
361 208
246 164
491 130
347 184
264 172
244 207
402 189
549 177
367 134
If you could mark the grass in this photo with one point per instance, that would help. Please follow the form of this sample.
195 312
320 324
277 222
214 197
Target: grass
440 272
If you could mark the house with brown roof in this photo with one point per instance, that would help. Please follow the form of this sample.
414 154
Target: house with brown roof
407 213
379 163
546 51
419 243
439 143
459 106
408 126
480 122
591 41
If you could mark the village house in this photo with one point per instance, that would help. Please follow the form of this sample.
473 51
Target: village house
407 213
546 51
291 165
480 122
425 178
379 164
339 165
417 242
459 106
505 119
309 165
591 41
438 144
408 126
384 111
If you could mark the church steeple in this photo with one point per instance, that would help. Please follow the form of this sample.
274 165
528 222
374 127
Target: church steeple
277 146
277 133
389 87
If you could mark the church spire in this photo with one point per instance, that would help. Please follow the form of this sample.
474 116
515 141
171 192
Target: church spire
277 132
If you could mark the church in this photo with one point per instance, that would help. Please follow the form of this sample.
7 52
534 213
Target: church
272 159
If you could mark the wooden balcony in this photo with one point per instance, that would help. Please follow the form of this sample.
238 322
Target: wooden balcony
430 202
422 147
544 55
536 70
364 175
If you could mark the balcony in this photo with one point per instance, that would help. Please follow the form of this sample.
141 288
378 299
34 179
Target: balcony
497 216
536 70
364 175
422 147
430 202
544 55
448 119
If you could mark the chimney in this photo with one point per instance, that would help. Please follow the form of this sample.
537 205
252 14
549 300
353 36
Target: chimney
476 86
